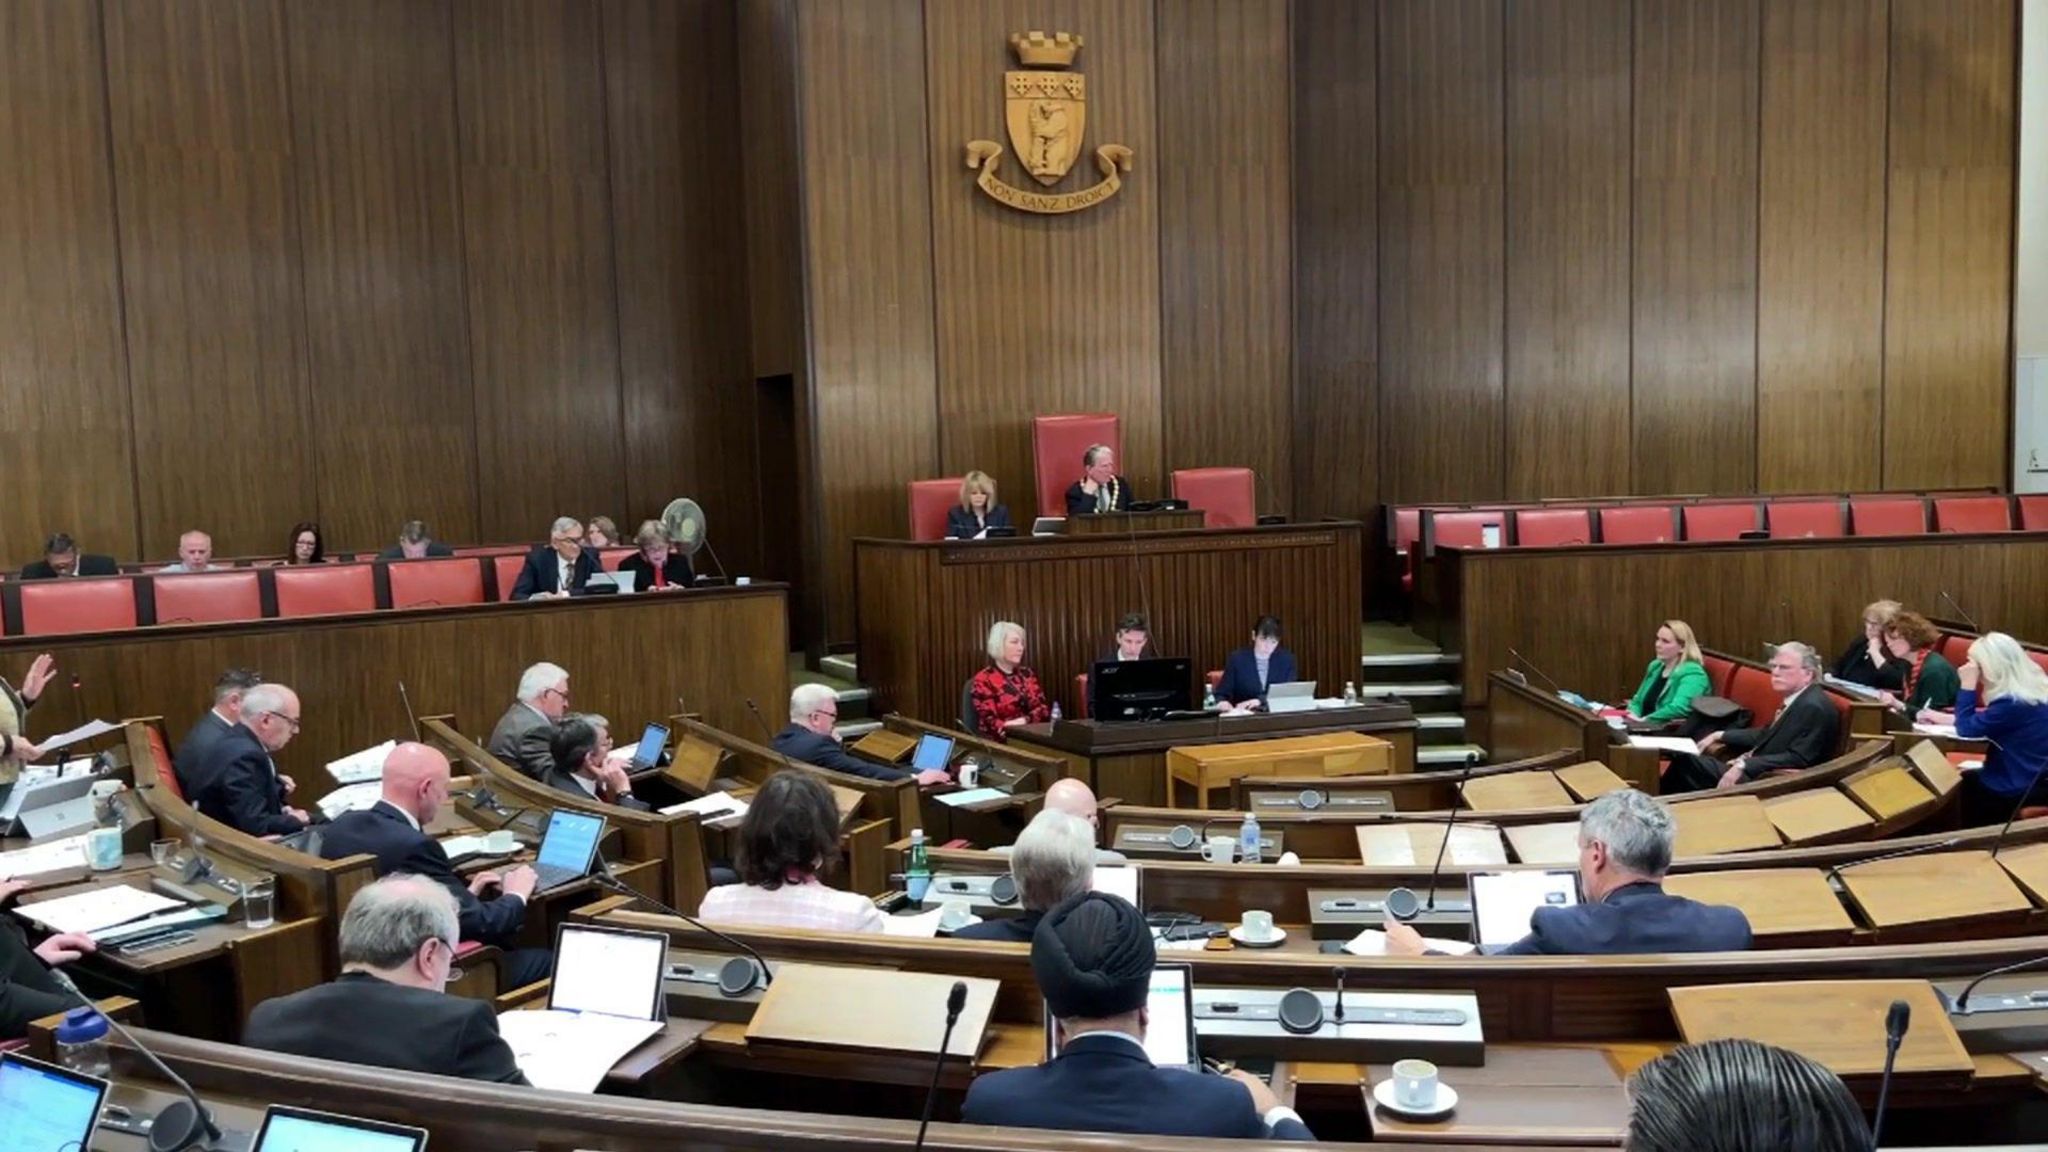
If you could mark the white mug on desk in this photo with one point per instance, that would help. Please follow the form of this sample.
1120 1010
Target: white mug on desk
970 774
1415 1084
1219 849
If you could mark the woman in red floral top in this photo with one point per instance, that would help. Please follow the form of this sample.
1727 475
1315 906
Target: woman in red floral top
1006 694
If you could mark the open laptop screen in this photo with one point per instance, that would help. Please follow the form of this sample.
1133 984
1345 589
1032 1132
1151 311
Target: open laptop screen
303 1130
1502 902
571 840
44 1107
1170 1028
608 971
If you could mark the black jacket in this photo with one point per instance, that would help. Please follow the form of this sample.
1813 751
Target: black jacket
1856 666
362 1019
960 523
1009 930
801 744
541 572
676 568
1106 1084
27 990
202 736
383 832
435 551
235 782
88 564
1804 733
1080 503
1634 919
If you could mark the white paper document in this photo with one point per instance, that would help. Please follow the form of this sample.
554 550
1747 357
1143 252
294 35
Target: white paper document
1373 942
923 925
1664 743
459 846
1935 729
49 856
571 1051
97 908
352 798
717 810
356 767
83 732
968 796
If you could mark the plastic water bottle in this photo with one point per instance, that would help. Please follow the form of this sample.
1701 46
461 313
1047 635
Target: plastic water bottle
1055 711
1248 839
1350 692
1209 698
82 1042
917 874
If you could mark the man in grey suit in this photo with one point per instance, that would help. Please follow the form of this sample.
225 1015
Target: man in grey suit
525 732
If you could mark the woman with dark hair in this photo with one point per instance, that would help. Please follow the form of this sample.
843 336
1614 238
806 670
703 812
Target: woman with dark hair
1931 681
306 546
1741 1096
789 835
1249 672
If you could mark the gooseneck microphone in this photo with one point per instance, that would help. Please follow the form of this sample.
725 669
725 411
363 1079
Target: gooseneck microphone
181 1124
1895 1022
1961 1005
770 733
2026 794
1525 662
956 1000
1951 602
738 976
1401 902
1339 1015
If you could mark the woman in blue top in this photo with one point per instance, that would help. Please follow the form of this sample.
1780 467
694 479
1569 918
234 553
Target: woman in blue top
1674 677
2003 698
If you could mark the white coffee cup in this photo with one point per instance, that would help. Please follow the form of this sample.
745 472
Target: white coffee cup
1257 925
970 775
500 842
956 915
1220 849
1415 1084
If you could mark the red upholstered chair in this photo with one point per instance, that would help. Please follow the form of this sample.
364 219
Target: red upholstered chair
326 589
1973 514
160 756
1552 527
1639 524
2033 513
2040 659
495 550
507 569
1056 446
208 597
1719 672
1080 696
1887 515
610 558
1719 521
1955 649
433 583
82 604
1461 529
1226 497
1793 519
930 501
1751 688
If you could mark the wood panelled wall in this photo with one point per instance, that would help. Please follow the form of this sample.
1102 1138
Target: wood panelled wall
1386 250
477 261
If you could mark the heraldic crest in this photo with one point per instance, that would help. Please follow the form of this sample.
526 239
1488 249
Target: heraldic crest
1046 107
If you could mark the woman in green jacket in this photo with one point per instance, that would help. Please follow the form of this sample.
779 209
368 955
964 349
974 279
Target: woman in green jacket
1931 681
1672 679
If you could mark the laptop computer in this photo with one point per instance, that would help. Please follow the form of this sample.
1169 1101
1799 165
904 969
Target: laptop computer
609 971
1503 902
568 848
304 1130
44 1106
1170 1031
1294 696
933 752
653 742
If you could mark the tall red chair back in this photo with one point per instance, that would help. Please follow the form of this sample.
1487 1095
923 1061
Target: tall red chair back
1639 524
1887 515
1226 497
1465 528
507 570
208 597
2033 513
930 501
1057 443
77 604
433 583
1719 521
1793 519
1553 527
327 589
1972 514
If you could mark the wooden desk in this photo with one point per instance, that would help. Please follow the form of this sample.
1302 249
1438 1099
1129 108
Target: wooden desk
1544 843
1206 768
1522 719
1786 907
2027 864
1125 523
1949 888
1722 824
1384 845
923 609
1590 780
1516 790
1837 1023
1525 1095
1890 792
1818 816
1128 761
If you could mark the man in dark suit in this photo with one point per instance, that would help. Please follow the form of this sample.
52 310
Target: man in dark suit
1099 489
559 568
27 990
392 830
215 723
236 782
1053 861
1625 841
62 558
1249 672
1133 639
388 1009
1805 732
1093 958
809 738
524 733
584 764
415 543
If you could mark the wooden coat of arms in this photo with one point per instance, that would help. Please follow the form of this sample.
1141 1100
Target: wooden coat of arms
1046 109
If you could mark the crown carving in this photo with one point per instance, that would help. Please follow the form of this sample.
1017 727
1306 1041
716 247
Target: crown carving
1043 50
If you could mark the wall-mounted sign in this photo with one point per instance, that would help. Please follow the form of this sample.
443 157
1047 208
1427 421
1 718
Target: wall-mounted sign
1046 107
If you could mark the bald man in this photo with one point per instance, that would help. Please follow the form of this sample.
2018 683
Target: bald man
1073 797
236 781
392 830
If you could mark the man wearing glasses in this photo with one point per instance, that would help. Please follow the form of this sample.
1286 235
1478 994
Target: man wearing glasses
558 568
809 738
524 735
236 782
1804 732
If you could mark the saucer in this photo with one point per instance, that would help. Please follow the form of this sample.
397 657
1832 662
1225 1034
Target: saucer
1446 1099
1278 938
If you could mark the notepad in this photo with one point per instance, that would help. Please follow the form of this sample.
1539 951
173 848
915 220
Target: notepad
1373 942
97 908
968 796
357 767
352 798
49 856
717 810
571 1051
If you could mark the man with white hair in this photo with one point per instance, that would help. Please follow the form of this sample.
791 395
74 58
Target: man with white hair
1053 859
236 782
1625 841
390 1009
809 739
524 735
558 568
1805 731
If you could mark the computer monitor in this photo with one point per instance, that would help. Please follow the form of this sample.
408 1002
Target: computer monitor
43 1106
1503 902
304 1130
609 971
1139 689
652 740
933 752
1170 1026
571 841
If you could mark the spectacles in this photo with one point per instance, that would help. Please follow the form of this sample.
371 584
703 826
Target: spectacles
562 692
834 714
291 720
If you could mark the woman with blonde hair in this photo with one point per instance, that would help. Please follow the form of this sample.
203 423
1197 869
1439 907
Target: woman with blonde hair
1006 693
977 511
2003 698
1675 676
1865 661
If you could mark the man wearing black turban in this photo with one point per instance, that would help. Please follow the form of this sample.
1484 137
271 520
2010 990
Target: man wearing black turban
1093 958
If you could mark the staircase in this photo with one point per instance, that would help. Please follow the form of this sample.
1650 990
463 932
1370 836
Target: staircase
1427 680
843 674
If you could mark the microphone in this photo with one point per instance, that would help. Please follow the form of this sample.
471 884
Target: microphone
181 1124
411 717
1951 602
2026 794
1526 663
770 733
955 1001
714 559
737 977
1338 1017
1401 902
1895 1021
1960 1006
